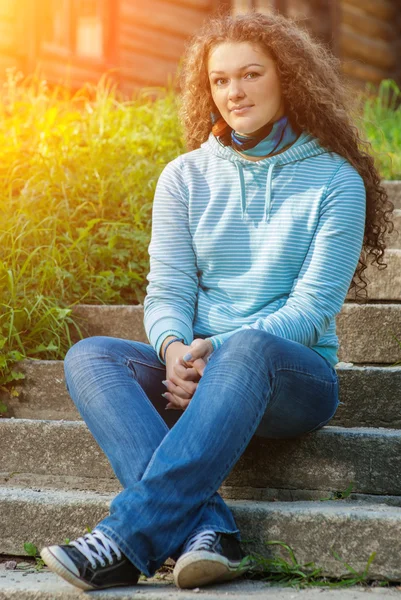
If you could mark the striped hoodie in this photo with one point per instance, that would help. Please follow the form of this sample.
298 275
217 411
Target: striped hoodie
270 245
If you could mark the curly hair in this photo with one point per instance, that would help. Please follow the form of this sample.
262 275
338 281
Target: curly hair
316 100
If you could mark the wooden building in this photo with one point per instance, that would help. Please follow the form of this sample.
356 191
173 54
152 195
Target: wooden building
140 42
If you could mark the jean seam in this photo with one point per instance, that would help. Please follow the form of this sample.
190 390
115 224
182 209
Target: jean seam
334 381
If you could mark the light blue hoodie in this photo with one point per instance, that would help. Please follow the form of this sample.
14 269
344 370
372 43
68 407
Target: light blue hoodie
270 245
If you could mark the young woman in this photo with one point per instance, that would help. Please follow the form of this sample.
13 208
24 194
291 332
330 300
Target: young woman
256 236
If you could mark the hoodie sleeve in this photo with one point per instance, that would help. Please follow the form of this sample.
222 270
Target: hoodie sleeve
321 287
169 305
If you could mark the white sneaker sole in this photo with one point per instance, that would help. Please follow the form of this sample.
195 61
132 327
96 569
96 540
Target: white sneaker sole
54 563
201 567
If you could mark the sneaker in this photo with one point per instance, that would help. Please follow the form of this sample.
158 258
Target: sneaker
92 562
209 557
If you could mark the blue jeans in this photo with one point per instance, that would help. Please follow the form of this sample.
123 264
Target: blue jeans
171 463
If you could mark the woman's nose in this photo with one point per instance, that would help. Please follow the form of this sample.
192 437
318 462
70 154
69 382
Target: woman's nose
235 91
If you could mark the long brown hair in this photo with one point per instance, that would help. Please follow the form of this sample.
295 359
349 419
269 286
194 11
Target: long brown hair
316 98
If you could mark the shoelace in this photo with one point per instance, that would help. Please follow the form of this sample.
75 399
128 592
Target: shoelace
102 546
200 541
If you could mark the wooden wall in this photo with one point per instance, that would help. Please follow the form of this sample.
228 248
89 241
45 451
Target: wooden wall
369 39
364 34
10 36
317 16
152 37
57 63
144 40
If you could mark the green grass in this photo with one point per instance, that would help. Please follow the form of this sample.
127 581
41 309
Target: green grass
77 178
381 125
78 174
290 573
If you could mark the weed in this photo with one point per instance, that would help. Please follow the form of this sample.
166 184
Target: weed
293 574
32 550
340 495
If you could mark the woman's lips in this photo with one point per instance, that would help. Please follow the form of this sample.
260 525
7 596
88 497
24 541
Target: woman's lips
241 111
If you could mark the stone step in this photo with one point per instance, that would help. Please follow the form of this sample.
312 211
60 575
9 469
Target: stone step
383 284
393 189
393 239
44 585
330 458
357 326
312 529
366 333
111 486
369 395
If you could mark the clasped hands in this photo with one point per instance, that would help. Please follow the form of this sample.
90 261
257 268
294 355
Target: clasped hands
182 377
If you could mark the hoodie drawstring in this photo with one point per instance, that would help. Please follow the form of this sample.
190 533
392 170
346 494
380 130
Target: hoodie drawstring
268 191
242 188
266 215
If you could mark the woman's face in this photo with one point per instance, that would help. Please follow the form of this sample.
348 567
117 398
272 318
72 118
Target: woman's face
245 86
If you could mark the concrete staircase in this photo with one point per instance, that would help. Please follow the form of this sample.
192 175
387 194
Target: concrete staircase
55 481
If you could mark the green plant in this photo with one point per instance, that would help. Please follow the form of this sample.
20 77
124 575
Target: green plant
380 122
291 573
78 175
32 550
340 495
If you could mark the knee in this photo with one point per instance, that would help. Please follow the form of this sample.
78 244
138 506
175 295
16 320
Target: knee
82 349
250 340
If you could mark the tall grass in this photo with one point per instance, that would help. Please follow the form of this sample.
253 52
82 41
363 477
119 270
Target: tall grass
381 124
77 178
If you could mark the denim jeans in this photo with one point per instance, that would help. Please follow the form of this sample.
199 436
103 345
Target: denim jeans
171 463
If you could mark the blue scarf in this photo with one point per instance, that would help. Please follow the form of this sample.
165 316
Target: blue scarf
278 136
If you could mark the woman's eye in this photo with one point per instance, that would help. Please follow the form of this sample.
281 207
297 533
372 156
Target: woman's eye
223 80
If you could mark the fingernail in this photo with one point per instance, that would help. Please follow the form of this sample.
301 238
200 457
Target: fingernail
164 396
164 382
187 357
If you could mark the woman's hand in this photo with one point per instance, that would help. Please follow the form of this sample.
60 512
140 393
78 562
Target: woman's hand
183 376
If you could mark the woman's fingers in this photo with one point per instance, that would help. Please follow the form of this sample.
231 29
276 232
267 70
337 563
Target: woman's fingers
195 369
199 354
182 384
186 373
180 387
175 402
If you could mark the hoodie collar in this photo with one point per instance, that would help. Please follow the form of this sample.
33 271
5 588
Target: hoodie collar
304 147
